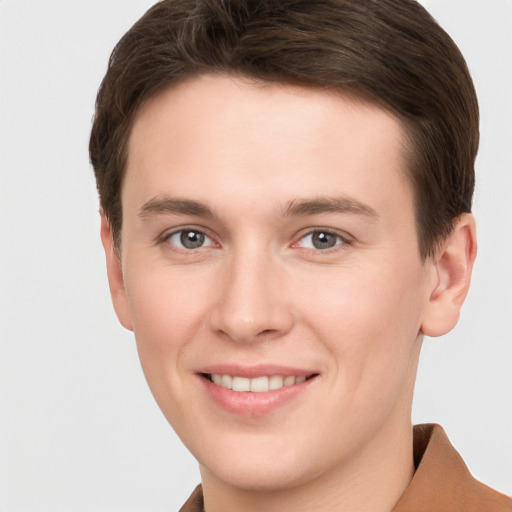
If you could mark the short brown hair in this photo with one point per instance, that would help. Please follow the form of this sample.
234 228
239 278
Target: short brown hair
390 52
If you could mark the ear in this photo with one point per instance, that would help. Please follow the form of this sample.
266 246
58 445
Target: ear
451 267
115 275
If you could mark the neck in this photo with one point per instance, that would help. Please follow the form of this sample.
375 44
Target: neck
374 481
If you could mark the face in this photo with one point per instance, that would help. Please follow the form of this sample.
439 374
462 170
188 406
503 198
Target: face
271 274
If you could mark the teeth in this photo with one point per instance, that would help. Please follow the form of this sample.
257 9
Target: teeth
289 381
259 385
226 381
276 382
256 385
241 384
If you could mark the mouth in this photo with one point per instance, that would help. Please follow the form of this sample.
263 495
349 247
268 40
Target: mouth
255 391
260 384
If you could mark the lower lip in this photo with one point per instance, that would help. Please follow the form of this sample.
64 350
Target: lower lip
247 403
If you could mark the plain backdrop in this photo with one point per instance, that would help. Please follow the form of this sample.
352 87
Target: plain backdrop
79 430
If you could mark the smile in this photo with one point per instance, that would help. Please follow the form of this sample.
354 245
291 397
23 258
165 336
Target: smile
255 391
255 385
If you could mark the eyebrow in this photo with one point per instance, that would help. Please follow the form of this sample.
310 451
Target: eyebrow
175 206
294 208
320 205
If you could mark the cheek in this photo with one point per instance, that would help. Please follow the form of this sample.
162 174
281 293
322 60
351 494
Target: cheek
369 324
368 319
168 313
167 309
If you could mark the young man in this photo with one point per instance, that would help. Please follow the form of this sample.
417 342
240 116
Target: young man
286 192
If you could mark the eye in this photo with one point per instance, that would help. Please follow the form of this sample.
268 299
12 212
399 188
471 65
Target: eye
189 239
321 240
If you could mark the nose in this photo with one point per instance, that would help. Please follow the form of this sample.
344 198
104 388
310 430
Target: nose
251 304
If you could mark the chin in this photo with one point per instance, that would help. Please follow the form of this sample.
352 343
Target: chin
272 476
259 465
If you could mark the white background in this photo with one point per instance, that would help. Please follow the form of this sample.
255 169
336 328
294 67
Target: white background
79 430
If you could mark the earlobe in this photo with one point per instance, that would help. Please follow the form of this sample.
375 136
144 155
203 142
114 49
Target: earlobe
452 268
115 275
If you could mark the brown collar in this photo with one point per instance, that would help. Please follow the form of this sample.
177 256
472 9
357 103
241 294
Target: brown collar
441 483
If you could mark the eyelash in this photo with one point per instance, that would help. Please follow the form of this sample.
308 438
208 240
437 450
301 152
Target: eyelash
166 237
341 240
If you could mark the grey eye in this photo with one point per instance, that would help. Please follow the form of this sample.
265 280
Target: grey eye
190 239
323 240
320 240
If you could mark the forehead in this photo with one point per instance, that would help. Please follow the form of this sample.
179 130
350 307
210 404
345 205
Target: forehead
233 140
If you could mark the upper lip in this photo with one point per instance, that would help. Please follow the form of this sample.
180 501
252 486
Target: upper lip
251 372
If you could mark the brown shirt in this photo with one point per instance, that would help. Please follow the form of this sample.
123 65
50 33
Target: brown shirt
441 483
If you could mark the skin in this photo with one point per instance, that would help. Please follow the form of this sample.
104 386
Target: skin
260 292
